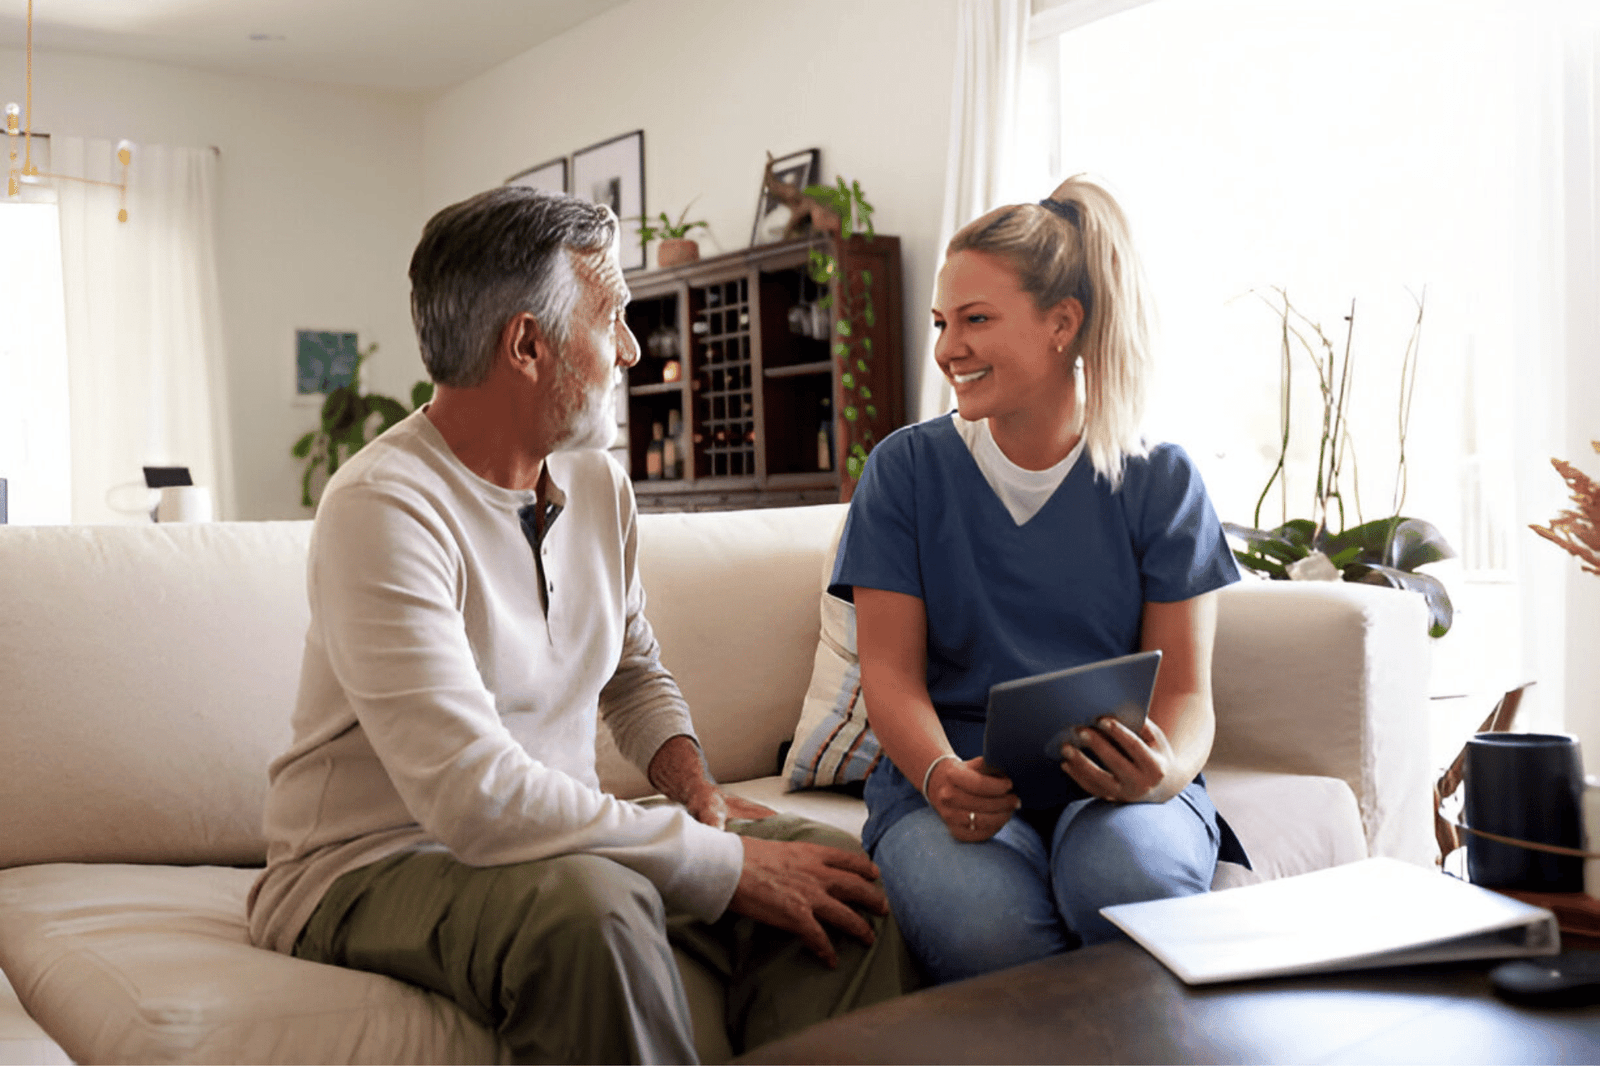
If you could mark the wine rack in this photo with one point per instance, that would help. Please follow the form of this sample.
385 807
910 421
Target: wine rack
724 393
735 356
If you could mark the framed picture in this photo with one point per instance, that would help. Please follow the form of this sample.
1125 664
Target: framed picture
324 360
551 176
612 172
798 169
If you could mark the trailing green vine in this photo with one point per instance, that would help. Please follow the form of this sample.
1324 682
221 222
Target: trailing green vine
851 293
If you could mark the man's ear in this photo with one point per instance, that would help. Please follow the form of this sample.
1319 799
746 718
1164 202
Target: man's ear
523 345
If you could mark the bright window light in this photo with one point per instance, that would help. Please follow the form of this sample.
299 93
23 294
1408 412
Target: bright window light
35 448
1338 150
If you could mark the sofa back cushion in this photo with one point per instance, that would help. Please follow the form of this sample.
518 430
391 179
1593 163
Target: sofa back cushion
147 675
1331 678
733 598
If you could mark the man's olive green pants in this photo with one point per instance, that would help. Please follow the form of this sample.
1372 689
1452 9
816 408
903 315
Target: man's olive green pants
570 959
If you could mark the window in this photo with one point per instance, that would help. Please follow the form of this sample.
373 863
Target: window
1343 150
35 451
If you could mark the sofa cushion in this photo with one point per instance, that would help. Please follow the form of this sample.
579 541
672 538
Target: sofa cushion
22 1042
830 807
1288 823
732 598
150 672
1330 678
833 744
123 963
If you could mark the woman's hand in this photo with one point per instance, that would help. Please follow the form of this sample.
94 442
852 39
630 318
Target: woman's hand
973 803
1139 767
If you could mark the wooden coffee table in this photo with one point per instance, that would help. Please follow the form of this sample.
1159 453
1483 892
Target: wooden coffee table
1114 1003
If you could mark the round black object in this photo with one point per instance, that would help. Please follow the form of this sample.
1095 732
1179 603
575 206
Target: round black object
1570 979
1526 786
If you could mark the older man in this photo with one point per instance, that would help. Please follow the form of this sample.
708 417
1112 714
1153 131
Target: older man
475 606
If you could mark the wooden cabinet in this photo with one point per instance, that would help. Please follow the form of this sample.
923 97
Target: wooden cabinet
737 357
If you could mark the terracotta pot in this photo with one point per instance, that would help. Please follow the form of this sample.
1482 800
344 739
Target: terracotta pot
677 252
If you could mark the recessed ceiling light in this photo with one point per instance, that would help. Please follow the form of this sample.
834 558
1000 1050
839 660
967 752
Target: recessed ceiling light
268 37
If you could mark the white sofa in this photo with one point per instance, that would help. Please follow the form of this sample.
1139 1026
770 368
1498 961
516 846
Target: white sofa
149 673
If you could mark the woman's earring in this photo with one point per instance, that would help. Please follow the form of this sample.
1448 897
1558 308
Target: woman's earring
1060 348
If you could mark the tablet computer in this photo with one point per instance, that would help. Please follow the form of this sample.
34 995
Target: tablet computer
1031 717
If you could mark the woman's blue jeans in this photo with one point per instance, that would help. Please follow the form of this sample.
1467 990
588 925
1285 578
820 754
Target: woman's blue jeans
967 909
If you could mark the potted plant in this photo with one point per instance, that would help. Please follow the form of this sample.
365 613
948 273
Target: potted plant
1577 529
677 248
1386 551
350 418
841 210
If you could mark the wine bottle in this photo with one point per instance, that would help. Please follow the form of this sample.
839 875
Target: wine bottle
825 437
653 454
673 446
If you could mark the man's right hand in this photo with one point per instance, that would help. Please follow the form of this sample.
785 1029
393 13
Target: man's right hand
798 886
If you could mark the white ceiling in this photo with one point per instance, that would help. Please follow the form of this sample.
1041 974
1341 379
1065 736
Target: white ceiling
404 45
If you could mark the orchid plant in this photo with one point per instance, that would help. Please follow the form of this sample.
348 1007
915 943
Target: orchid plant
1386 551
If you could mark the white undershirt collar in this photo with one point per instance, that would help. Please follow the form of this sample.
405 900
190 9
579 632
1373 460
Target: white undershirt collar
1022 492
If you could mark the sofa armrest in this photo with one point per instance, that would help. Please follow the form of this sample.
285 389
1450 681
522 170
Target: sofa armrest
1331 678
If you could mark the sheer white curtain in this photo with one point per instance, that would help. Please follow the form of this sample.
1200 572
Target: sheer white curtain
35 437
1559 398
991 42
144 338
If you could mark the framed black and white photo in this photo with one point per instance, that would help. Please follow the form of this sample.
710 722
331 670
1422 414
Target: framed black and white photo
612 172
551 176
798 169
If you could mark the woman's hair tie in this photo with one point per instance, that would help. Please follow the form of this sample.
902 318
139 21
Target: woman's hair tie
1066 210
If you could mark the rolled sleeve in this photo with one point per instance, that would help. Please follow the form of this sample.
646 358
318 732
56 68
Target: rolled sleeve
878 548
642 704
1183 551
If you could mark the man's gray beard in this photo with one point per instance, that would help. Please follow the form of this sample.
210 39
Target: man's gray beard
595 425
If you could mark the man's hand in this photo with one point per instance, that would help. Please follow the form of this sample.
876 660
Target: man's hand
798 886
709 804
679 771
972 801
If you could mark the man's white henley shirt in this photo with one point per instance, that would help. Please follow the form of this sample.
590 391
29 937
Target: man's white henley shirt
442 704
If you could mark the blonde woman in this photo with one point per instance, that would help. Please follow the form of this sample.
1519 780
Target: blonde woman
1033 530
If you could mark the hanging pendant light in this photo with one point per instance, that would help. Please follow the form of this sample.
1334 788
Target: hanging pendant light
21 170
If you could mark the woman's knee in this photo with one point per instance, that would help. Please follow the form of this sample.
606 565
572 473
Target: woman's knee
965 909
1128 853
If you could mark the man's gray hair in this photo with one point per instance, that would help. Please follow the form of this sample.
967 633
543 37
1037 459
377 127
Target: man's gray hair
483 260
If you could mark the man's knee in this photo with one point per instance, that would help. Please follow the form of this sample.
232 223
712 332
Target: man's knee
586 901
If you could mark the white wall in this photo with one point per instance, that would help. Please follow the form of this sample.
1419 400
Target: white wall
320 205
324 189
715 84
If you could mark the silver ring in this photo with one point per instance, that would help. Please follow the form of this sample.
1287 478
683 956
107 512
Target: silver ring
972 819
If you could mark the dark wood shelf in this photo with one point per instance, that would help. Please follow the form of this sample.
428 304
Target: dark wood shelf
659 388
799 370
775 395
